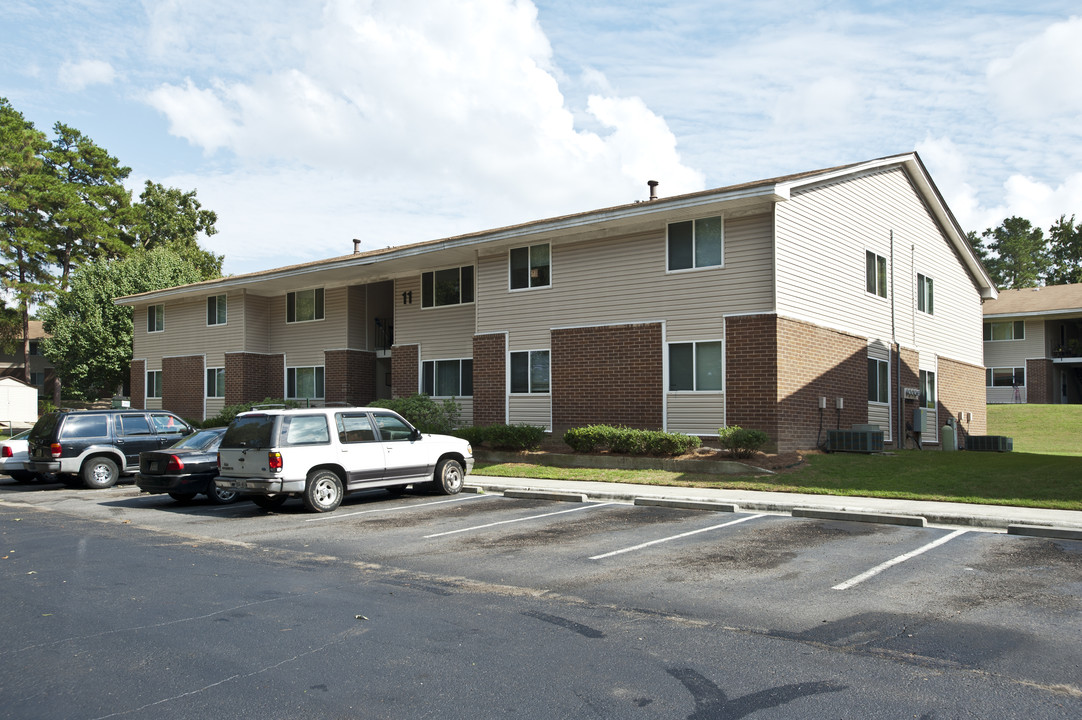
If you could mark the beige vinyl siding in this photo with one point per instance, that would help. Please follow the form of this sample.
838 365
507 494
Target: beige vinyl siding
1014 353
823 233
303 343
367 303
213 407
441 332
930 362
530 410
695 413
620 280
465 411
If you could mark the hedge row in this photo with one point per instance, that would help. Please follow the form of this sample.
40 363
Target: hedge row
629 441
503 437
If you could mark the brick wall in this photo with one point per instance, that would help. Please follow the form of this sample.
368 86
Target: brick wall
751 374
183 386
612 375
814 362
910 379
489 379
961 390
138 383
1039 382
404 362
349 376
251 377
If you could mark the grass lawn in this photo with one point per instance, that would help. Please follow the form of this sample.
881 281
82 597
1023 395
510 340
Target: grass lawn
1045 470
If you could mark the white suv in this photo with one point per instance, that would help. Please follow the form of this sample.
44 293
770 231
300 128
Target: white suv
320 454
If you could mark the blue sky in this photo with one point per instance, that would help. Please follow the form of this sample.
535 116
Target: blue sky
307 123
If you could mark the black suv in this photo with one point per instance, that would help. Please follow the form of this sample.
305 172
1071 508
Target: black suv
98 446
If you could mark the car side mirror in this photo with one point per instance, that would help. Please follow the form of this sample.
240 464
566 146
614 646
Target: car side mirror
415 434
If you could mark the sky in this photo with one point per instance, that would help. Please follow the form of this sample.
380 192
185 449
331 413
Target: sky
307 123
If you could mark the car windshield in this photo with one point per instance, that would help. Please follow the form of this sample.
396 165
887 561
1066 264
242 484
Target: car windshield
21 436
44 427
249 431
201 440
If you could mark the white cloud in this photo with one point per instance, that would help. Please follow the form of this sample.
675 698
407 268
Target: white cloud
1040 78
80 75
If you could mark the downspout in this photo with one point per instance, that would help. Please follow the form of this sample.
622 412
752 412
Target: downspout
897 350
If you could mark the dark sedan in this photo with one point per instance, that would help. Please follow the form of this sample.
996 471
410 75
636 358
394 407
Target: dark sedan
186 469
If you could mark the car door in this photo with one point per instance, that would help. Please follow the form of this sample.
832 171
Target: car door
134 434
361 452
168 427
405 455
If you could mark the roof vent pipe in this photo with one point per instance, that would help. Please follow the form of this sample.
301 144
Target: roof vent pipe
356 246
653 189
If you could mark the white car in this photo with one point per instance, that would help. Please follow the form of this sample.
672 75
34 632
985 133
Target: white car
14 453
321 454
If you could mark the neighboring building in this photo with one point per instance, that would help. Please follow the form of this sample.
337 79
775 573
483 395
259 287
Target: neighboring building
742 306
42 374
1033 345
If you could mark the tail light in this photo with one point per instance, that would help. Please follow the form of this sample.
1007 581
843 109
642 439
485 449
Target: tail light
219 462
274 461
7 452
175 464
55 450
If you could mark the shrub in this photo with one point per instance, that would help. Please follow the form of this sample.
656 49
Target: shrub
629 441
426 414
473 434
741 442
514 437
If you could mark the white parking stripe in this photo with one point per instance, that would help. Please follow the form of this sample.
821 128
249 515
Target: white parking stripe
676 537
340 516
532 517
894 561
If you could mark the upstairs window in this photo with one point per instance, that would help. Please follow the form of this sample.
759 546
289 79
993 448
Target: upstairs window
530 371
304 305
447 378
216 310
452 286
1005 330
924 294
155 318
875 274
878 381
696 244
530 267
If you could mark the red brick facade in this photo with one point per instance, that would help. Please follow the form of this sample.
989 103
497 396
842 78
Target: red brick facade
404 368
349 376
138 383
489 379
613 375
253 376
961 391
1039 383
183 386
751 373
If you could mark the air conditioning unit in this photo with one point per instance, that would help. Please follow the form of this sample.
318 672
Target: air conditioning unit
862 441
990 443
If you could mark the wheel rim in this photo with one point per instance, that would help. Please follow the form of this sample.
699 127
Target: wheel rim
325 492
102 473
224 495
452 477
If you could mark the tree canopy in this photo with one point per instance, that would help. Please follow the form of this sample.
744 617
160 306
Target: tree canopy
1019 255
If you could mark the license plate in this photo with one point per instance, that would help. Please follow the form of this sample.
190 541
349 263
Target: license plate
154 466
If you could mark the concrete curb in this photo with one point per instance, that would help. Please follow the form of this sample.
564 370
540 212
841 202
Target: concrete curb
688 504
545 495
884 519
1046 532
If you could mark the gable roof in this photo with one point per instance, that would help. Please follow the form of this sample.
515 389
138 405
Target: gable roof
1047 300
387 263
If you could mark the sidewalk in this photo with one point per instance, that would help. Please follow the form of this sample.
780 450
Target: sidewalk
997 517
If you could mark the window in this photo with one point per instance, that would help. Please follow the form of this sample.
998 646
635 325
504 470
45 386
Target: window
37 379
354 428
453 286
392 429
924 294
216 310
530 371
155 318
876 274
878 381
35 349
696 244
927 389
530 267
165 424
304 383
1005 377
695 366
84 426
134 424
1005 330
447 378
305 430
304 305
154 383
216 382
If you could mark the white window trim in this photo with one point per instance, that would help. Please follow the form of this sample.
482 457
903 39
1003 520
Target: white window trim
294 293
529 393
218 324
886 276
206 388
285 388
421 378
916 286
434 306
704 268
878 402
150 308
1012 368
694 368
147 385
529 288
1005 322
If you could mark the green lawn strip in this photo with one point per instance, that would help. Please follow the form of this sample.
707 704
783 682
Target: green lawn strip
1018 479
1045 429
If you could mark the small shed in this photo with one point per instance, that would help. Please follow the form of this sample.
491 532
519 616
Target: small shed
18 403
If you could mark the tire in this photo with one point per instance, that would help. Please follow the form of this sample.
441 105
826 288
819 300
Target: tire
22 476
99 472
182 497
323 491
218 496
449 477
270 502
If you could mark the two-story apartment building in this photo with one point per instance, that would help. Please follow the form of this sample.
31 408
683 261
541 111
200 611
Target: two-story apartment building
791 305
1033 345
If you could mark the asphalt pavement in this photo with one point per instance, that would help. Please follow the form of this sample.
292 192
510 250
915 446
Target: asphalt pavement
1016 520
